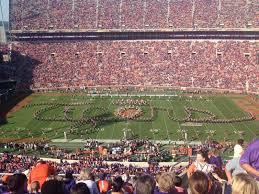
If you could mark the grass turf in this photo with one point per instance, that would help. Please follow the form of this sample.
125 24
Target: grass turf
22 124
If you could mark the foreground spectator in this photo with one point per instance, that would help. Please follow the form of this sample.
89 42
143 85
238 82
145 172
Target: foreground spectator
201 164
238 148
249 161
3 186
117 185
233 168
165 183
52 186
145 184
216 161
35 187
198 183
17 184
69 181
40 173
127 187
244 184
215 158
86 177
80 188
178 185
103 184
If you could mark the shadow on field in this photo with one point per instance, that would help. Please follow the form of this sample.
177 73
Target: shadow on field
22 72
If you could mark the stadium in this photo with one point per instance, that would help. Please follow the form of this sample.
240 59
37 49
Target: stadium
143 84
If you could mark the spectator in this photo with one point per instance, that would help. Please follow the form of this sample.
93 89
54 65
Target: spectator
80 188
145 184
238 148
214 158
249 161
127 187
40 172
244 184
86 177
157 177
178 185
3 186
200 164
35 187
52 186
216 161
69 181
103 184
165 183
233 168
117 186
198 183
17 184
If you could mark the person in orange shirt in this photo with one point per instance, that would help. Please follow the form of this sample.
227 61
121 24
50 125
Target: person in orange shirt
40 173
103 184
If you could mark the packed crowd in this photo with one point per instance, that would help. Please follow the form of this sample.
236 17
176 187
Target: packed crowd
134 14
11 163
180 14
230 65
42 179
23 147
206 175
122 151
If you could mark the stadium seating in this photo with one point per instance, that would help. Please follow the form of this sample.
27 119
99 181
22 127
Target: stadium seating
229 65
200 64
133 15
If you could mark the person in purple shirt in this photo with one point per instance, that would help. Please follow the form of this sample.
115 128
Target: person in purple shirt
214 158
249 161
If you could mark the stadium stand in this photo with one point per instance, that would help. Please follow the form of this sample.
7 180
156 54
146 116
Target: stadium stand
132 14
136 15
214 64
98 169
201 63
180 14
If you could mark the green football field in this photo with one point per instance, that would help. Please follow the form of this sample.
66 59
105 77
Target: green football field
161 118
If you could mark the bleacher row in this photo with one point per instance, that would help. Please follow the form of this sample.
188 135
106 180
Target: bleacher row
217 64
133 14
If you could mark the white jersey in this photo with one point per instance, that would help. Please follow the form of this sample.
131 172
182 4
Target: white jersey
204 167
